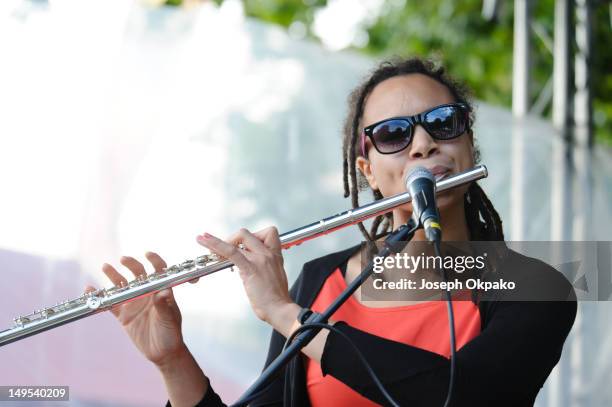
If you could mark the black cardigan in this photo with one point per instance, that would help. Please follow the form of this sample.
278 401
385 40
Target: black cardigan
505 365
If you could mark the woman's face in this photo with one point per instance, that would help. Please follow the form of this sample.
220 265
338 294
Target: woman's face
408 95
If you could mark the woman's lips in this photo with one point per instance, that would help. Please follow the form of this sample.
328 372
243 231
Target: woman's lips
441 176
440 172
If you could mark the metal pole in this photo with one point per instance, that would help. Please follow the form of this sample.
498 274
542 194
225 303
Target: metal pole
521 59
583 104
520 108
561 68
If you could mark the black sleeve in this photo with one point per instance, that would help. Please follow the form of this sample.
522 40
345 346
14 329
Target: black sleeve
270 396
273 394
210 399
505 365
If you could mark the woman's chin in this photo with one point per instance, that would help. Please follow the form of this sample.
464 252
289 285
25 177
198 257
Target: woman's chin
447 200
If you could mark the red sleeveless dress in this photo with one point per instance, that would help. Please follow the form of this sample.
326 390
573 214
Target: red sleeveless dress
422 325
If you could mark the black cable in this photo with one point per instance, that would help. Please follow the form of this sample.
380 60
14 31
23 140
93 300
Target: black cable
288 396
362 358
451 322
288 369
253 396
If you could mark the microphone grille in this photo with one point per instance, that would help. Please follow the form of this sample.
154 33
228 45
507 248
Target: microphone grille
419 172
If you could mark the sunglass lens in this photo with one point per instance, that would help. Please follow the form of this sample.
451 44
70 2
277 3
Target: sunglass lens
392 136
446 122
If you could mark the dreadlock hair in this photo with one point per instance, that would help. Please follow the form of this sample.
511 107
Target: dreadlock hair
483 220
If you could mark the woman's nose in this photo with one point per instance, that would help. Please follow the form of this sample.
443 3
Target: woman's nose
423 145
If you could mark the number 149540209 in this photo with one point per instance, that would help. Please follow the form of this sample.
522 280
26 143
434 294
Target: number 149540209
34 393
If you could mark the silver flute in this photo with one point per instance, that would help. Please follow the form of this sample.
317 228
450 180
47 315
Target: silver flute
93 302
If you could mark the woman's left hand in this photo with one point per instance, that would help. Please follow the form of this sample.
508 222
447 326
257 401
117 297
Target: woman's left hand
260 264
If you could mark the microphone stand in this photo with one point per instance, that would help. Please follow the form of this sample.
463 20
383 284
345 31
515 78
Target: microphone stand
392 245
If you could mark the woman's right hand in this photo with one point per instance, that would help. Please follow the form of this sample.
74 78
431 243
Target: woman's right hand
152 322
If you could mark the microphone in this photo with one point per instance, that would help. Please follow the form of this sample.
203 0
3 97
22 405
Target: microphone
421 184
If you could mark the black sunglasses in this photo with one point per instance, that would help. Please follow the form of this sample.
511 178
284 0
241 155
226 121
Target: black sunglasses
442 122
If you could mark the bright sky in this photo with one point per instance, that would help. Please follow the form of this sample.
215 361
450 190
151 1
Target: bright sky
342 23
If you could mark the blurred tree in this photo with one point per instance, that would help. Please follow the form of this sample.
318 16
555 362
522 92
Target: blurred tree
457 35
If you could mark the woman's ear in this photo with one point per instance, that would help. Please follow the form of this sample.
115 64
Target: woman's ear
365 167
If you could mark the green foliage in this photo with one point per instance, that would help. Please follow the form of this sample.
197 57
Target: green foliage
473 49
476 50
454 34
283 12
602 73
